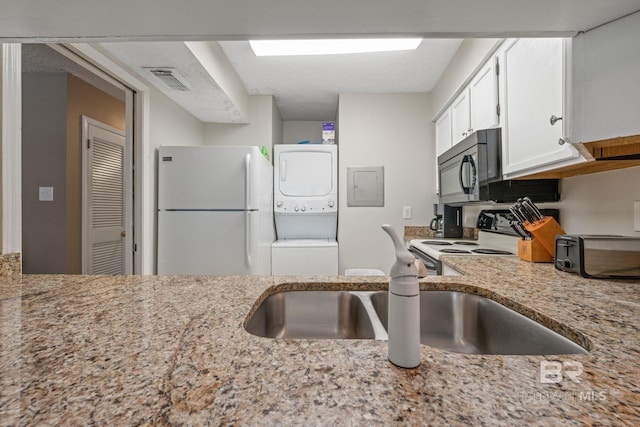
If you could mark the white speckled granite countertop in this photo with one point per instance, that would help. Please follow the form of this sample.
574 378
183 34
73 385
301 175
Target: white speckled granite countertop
80 350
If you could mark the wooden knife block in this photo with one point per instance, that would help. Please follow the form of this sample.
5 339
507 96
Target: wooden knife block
533 251
545 233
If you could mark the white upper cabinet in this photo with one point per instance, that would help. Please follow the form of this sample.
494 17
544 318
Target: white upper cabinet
475 107
483 94
443 132
606 81
533 91
461 117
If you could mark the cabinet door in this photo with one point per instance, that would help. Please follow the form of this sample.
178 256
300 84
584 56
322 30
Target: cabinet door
533 85
460 117
483 96
443 140
443 132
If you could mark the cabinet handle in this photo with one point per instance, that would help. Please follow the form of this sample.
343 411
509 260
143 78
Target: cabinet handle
554 119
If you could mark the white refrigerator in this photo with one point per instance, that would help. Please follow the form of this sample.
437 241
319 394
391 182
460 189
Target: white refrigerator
215 211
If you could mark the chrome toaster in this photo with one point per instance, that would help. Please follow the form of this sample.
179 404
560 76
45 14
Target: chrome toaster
599 256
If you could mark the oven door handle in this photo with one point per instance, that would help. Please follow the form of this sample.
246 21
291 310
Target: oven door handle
468 158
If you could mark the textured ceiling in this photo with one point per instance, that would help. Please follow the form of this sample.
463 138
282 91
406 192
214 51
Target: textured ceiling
299 85
40 58
207 101
307 87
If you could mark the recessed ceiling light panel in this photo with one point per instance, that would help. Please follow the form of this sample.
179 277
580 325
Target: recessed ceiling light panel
330 46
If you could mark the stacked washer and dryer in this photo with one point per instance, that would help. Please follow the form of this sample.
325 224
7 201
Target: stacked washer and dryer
305 207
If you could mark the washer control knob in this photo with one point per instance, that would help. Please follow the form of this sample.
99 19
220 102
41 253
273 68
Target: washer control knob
331 204
297 208
304 208
279 203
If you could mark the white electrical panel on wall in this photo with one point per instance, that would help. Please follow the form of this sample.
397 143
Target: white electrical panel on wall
365 186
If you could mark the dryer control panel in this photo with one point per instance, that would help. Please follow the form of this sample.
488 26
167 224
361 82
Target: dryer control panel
309 206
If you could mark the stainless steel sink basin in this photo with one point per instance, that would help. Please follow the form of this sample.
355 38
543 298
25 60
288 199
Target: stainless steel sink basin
467 323
451 321
311 314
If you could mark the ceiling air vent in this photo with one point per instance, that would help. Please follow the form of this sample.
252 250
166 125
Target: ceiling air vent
170 78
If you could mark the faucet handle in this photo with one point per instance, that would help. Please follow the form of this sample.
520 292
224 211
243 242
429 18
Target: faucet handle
404 265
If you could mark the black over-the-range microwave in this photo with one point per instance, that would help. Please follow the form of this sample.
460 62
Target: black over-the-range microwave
471 171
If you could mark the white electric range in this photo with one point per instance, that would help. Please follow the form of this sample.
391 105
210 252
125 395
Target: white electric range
430 251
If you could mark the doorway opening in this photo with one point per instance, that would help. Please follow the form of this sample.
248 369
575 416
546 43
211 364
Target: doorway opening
58 90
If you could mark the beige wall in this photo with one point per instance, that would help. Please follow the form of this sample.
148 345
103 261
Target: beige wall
169 124
264 125
394 131
296 131
277 126
83 99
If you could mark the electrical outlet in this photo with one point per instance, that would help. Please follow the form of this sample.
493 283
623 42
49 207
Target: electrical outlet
406 212
636 215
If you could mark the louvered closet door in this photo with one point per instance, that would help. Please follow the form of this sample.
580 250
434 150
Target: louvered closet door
106 201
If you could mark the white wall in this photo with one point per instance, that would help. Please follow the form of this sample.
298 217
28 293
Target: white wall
169 124
277 126
394 131
296 131
600 203
264 124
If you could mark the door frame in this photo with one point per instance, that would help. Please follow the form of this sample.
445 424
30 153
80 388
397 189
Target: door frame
138 142
129 253
11 146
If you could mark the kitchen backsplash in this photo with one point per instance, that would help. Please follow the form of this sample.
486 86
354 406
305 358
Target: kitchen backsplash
423 231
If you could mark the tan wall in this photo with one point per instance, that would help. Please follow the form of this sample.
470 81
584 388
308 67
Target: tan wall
83 99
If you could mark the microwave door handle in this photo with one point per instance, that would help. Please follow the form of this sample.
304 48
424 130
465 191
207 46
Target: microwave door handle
465 159
474 174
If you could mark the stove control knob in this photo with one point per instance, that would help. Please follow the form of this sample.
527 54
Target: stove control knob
304 208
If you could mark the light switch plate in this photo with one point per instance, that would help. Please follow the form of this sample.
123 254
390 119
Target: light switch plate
406 212
636 215
45 194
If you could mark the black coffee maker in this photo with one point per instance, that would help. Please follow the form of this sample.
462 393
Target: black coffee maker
447 221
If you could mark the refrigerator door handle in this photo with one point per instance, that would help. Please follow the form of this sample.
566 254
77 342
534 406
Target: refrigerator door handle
247 181
247 239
